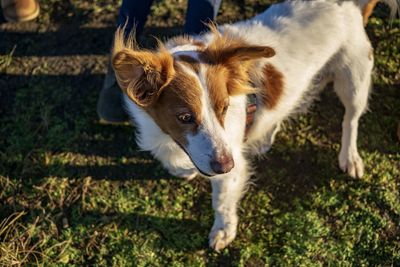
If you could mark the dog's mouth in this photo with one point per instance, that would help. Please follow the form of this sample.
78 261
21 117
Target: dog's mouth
198 169
203 173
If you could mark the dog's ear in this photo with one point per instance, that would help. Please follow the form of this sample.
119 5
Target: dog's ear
142 75
245 53
226 48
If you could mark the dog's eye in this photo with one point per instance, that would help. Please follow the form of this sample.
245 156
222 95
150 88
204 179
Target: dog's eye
226 105
224 110
186 118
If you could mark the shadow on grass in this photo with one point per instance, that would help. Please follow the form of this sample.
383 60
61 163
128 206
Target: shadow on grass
176 234
56 116
34 106
122 172
287 173
72 99
72 40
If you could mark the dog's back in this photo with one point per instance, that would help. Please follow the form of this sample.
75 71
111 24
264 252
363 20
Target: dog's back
314 41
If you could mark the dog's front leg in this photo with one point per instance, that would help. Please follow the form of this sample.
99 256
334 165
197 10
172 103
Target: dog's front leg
227 190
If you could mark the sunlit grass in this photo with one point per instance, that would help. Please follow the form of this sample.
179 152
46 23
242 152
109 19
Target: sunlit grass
74 192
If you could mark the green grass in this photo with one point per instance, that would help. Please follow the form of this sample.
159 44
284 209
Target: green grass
74 192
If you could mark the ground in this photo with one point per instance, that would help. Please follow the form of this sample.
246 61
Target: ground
74 192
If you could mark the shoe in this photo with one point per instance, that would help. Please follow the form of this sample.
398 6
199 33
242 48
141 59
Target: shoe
109 105
20 10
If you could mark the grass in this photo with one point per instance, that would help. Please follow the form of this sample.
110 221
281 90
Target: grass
74 192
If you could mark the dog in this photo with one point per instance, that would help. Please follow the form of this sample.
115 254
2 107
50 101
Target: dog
189 97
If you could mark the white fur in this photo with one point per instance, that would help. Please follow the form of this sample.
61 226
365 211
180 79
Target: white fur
211 139
315 42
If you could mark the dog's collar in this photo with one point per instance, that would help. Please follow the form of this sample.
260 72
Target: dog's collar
251 109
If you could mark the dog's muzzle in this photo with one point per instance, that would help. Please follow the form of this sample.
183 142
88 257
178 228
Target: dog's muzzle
222 164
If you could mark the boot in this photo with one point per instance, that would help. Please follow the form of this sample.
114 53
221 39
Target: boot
20 10
109 105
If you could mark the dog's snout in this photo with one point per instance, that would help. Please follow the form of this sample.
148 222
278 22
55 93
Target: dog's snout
222 164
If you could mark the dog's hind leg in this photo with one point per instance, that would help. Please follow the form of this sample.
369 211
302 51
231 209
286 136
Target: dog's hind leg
352 83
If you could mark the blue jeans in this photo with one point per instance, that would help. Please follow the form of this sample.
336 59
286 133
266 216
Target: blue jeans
198 13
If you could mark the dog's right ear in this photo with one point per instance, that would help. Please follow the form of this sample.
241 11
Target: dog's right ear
142 75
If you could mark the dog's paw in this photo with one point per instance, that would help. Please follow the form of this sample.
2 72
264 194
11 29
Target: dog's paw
220 238
352 164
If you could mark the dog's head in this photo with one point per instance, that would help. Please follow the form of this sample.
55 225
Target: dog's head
187 92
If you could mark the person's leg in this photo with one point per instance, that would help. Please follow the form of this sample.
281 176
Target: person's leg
134 13
109 106
200 12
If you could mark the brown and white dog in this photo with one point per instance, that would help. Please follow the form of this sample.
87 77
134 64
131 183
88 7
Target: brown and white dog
188 98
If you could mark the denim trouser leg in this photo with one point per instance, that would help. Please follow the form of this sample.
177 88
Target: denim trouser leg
136 12
200 12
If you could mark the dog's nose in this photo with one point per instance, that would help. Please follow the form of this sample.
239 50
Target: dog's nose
223 164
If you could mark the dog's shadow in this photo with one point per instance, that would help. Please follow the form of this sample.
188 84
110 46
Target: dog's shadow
288 173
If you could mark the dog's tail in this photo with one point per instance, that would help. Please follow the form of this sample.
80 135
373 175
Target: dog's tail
367 6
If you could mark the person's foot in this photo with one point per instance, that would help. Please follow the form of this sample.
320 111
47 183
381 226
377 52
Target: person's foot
20 10
109 105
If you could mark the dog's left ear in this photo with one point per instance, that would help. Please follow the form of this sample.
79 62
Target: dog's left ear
246 52
225 49
236 56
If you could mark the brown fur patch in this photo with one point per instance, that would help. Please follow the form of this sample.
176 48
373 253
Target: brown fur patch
154 81
234 73
273 86
229 60
225 48
190 62
142 75
181 95
217 79
367 11
236 56
238 80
